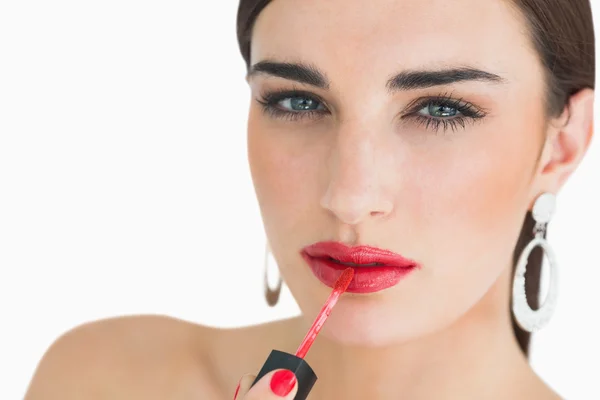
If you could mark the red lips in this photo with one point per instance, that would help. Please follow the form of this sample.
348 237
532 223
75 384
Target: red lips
357 255
374 269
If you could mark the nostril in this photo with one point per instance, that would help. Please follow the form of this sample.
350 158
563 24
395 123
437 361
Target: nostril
353 208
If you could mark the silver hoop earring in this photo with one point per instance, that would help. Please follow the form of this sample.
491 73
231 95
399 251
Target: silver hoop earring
271 295
528 319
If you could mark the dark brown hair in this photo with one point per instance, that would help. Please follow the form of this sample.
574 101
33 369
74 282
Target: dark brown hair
562 33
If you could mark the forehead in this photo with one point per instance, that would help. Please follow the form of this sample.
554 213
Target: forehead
384 35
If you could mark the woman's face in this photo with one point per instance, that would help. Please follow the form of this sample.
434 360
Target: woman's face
437 167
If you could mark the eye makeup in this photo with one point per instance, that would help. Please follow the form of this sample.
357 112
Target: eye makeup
443 111
272 106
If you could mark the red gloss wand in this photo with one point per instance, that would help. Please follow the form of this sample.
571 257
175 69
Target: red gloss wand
295 363
340 287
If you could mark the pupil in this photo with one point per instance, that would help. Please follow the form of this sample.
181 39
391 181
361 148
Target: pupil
302 104
442 111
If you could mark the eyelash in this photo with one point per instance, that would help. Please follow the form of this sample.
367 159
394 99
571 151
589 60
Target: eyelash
469 112
270 100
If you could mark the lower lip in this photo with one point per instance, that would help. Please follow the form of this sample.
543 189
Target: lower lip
366 279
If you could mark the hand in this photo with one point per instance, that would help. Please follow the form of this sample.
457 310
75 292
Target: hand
280 384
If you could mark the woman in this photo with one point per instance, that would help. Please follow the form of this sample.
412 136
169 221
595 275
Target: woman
440 132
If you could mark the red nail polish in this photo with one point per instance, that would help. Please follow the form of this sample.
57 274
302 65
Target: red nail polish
283 382
236 391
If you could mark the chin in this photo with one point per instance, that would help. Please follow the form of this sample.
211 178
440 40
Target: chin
356 322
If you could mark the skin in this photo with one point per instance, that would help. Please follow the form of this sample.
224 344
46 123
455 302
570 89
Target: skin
365 171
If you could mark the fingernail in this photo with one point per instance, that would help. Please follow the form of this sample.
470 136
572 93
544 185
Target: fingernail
237 389
283 382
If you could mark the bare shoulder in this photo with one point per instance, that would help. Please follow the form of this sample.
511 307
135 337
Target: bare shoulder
549 394
544 392
147 357
530 385
239 351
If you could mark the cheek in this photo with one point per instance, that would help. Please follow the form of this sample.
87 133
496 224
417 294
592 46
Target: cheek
464 199
283 171
476 184
471 198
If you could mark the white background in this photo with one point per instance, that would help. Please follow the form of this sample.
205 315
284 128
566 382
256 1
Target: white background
124 185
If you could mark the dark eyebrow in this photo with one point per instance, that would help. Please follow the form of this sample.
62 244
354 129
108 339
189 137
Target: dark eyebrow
298 72
408 80
405 80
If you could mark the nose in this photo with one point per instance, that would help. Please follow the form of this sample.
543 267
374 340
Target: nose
355 190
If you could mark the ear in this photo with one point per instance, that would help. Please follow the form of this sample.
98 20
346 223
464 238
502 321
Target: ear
567 140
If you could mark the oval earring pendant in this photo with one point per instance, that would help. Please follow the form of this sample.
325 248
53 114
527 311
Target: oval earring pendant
271 295
528 319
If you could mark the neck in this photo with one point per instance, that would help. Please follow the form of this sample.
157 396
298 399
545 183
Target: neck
476 357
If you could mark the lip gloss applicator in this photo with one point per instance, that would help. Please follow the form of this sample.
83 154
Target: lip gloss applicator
281 360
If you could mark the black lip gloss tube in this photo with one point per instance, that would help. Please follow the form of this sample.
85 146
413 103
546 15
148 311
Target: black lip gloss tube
304 374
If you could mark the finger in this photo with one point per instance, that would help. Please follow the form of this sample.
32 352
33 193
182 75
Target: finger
280 384
244 386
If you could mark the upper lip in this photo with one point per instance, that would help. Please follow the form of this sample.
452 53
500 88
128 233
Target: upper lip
357 255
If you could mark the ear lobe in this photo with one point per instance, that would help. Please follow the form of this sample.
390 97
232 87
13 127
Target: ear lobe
569 143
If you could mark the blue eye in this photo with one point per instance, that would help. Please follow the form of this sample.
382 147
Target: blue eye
444 111
300 103
432 112
439 111
292 105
